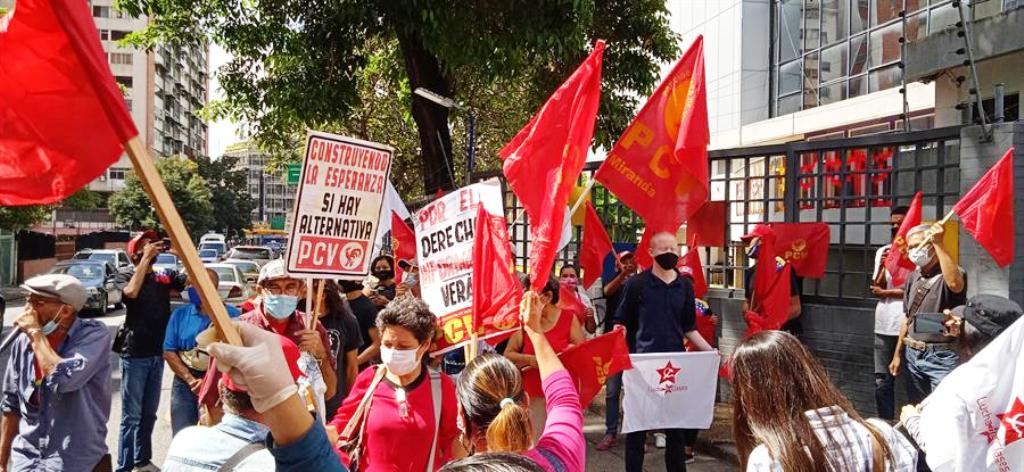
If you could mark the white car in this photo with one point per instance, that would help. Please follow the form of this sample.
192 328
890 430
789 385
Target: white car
258 254
208 255
250 269
233 288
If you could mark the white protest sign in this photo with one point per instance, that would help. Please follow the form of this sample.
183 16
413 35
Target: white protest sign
444 243
669 390
337 206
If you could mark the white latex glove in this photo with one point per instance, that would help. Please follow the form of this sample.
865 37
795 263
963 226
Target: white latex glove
259 366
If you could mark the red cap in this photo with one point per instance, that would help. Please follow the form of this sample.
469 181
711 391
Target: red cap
291 357
622 254
133 245
759 231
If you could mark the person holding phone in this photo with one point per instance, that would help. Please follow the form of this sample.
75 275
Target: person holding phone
938 284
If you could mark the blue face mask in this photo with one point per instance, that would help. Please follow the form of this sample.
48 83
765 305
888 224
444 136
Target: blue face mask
50 326
280 307
191 295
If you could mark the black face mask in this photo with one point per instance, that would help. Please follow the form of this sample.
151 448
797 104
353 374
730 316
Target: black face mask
384 274
894 229
667 260
349 285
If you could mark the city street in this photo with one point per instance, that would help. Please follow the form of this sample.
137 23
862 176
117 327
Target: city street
597 461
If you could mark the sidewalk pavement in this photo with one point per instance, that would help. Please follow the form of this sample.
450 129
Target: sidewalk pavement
715 442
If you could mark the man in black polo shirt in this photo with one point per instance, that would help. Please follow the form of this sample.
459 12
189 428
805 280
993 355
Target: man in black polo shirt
660 303
139 342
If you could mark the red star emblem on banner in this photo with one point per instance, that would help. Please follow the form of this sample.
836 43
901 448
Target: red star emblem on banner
1013 421
668 373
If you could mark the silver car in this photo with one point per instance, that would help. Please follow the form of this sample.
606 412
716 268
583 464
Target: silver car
233 288
101 281
250 269
258 254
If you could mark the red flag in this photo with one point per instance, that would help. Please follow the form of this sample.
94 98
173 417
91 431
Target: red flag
804 246
544 160
770 300
496 290
569 301
690 265
596 245
708 225
659 167
403 242
589 364
62 118
986 211
897 263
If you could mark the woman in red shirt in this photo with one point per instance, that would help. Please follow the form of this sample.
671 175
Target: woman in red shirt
561 329
399 425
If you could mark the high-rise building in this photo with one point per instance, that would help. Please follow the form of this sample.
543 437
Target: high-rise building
278 196
164 88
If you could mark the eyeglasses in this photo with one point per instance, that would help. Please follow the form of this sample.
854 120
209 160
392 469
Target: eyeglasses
278 290
37 302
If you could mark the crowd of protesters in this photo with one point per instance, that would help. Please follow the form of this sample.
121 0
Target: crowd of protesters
352 386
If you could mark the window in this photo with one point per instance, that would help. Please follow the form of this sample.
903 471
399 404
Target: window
100 11
885 44
122 58
104 35
124 80
833 21
790 18
833 63
117 35
117 173
884 11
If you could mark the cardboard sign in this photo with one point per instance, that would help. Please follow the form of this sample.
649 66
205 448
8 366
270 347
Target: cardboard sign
337 207
444 243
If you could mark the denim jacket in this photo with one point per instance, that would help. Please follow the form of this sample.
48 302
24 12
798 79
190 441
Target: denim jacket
200 448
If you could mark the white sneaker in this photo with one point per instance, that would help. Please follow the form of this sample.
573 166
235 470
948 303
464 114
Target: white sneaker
659 440
147 468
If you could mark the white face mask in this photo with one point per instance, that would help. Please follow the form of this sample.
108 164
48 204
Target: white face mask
399 361
921 256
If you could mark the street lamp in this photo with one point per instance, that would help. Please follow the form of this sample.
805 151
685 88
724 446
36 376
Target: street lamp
470 123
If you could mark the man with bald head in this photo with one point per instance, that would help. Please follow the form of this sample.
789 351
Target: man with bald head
660 304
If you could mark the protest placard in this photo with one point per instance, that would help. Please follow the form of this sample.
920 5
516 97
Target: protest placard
444 238
337 207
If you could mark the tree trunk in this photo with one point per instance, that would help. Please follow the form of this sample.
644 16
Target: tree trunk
424 71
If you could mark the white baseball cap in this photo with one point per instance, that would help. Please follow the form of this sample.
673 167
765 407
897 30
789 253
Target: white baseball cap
272 271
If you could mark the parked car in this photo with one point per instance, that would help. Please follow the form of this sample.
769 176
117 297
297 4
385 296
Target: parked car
167 261
101 281
115 257
208 256
249 269
232 287
258 254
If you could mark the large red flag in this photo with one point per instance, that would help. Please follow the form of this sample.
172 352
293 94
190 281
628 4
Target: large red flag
543 161
897 262
986 211
403 242
804 246
769 308
62 118
496 290
690 265
589 364
596 245
706 227
659 167
569 301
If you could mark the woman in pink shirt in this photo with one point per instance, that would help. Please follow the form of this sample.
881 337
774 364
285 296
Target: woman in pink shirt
493 406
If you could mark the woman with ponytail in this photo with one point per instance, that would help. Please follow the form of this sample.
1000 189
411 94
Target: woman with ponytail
493 413
788 415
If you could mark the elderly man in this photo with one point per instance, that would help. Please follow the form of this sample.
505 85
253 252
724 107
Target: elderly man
57 385
938 284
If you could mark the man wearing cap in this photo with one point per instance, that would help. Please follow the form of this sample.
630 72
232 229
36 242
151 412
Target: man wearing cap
139 342
237 443
937 284
277 311
625 264
56 387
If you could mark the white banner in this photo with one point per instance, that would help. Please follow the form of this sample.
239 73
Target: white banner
337 205
444 245
670 391
974 420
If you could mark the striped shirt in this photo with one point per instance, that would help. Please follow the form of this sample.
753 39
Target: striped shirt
851 444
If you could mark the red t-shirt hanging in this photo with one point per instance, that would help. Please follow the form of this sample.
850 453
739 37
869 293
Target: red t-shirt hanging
392 442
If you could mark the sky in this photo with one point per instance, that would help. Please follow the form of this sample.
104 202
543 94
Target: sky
222 132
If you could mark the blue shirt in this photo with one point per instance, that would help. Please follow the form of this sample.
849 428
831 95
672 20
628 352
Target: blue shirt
661 312
201 448
185 324
312 451
63 424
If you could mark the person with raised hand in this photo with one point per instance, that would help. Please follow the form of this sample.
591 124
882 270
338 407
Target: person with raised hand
493 406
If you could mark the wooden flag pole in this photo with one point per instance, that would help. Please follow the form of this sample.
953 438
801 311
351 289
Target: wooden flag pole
929 238
319 303
171 220
309 303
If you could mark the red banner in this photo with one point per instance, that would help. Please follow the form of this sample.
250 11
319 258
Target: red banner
707 226
804 246
690 265
544 160
659 166
596 246
589 364
986 211
403 243
496 290
63 119
769 307
897 263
